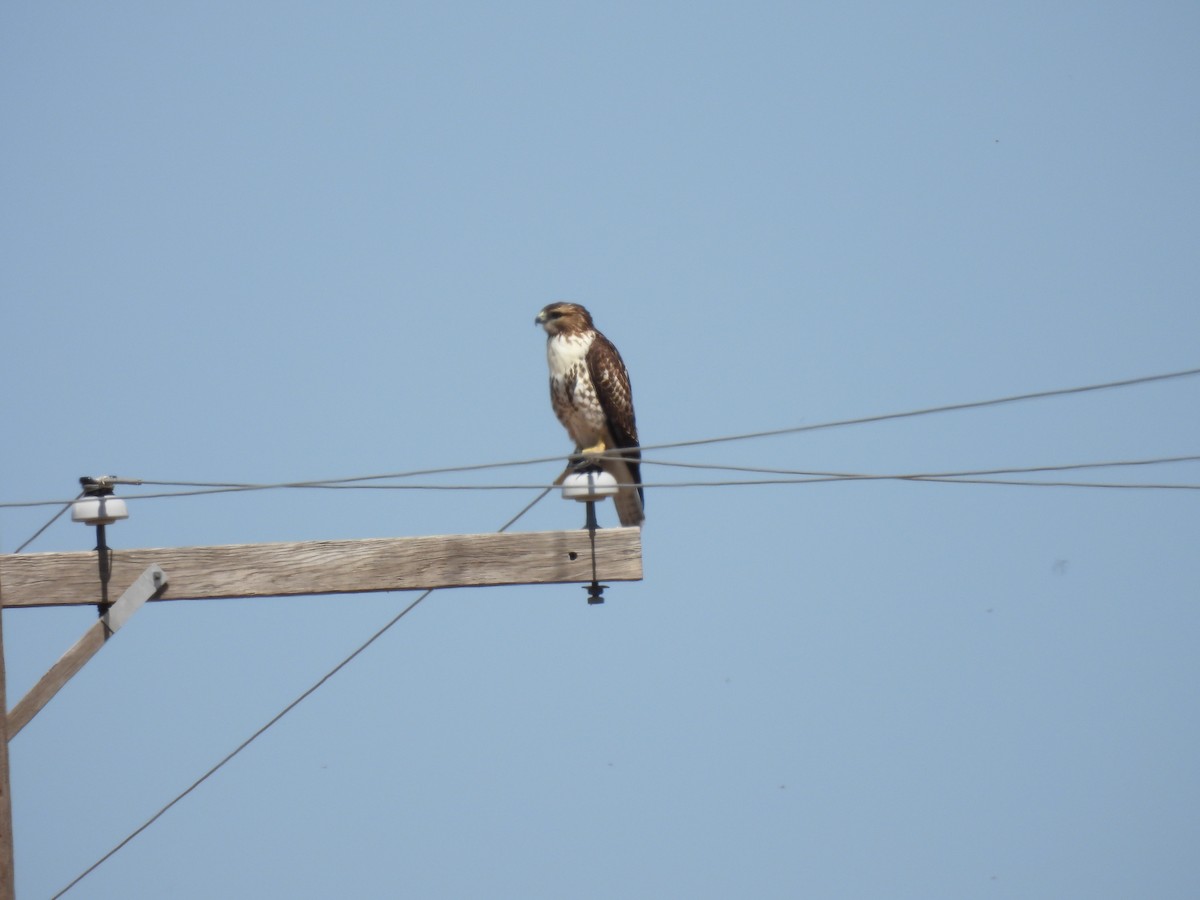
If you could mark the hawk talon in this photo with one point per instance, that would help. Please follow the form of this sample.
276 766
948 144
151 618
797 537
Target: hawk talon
583 464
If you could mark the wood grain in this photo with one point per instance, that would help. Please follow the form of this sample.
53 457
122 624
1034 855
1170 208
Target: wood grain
330 567
52 682
8 889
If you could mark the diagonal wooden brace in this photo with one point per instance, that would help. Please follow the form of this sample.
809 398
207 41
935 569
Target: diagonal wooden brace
148 584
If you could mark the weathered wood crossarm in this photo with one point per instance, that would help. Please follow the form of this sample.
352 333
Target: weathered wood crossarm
331 567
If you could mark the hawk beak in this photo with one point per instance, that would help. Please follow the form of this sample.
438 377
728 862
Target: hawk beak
541 317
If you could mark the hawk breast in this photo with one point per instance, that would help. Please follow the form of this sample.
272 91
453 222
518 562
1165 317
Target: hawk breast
572 393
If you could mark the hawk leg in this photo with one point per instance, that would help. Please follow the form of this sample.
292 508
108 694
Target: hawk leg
595 450
584 459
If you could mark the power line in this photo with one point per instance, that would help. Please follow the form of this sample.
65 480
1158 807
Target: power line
761 482
204 488
802 476
929 410
273 720
243 745
1160 460
1102 485
54 518
752 482
813 478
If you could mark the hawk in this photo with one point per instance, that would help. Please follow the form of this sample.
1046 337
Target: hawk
590 393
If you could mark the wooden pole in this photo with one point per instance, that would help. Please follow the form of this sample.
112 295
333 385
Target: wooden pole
294 569
8 885
60 673
151 582
333 567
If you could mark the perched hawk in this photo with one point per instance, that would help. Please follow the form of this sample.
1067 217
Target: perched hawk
589 389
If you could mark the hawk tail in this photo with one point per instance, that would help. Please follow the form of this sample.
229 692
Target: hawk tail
628 500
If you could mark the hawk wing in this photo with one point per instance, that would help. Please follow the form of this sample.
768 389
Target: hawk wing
611 382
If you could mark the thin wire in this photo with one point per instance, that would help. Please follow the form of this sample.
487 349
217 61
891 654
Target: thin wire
216 487
283 712
356 482
1008 471
933 479
532 503
925 478
800 477
242 746
929 410
808 478
1127 486
814 478
230 485
803 477
522 486
203 488
37 534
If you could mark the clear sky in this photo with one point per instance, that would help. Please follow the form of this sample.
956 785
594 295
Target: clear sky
262 242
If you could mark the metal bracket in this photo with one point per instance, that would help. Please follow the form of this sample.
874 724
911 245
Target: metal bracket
150 583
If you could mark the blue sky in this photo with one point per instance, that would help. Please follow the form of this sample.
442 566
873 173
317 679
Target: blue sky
269 242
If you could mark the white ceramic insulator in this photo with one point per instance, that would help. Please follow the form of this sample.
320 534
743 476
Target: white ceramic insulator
588 486
98 510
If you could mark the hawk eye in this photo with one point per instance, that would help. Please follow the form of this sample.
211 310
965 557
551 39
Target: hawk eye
557 314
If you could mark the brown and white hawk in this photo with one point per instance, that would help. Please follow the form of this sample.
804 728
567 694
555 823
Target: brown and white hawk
590 393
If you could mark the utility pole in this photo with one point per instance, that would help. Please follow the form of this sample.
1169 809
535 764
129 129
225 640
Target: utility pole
8 885
279 570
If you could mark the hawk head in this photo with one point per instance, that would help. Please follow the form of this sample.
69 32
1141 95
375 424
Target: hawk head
563 318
